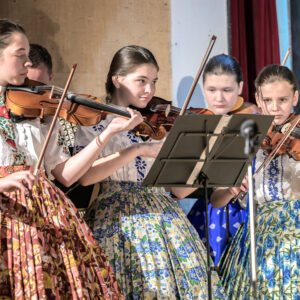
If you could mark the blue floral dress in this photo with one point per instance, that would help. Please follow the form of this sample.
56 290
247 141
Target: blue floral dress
154 250
277 191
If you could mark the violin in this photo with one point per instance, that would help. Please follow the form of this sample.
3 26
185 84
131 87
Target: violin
36 100
291 144
162 115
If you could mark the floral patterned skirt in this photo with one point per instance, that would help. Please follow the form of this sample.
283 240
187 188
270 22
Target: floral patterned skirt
277 254
46 250
153 249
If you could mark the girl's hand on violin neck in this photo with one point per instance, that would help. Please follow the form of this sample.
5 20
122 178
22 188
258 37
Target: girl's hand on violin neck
149 149
23 180
121 124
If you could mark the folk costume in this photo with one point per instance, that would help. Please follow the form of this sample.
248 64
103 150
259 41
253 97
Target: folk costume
152 247
46 249
277 193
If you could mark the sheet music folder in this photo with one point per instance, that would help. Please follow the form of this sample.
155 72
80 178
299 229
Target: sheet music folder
205 145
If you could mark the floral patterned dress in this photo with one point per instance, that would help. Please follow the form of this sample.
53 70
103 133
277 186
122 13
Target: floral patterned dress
46 249
277 191
152 247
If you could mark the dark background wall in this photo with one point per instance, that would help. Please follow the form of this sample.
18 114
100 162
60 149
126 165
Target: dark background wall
295 37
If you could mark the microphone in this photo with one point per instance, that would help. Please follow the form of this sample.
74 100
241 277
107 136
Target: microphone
248 131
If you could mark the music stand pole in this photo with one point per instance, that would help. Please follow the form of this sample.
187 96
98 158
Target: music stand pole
248 130
209 287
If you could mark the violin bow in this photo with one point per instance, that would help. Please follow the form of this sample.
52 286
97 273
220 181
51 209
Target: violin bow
36 169
286 57
196 79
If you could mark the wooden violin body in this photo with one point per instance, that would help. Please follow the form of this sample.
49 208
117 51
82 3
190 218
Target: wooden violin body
162 115
35 100
276 133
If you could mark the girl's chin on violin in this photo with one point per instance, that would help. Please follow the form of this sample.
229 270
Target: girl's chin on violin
145 99
18 80
142 102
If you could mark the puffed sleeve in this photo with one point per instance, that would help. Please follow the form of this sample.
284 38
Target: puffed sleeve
85 134
56 151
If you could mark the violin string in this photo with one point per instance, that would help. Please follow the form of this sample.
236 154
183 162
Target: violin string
162 107
173 109
50 87
57 91
60 90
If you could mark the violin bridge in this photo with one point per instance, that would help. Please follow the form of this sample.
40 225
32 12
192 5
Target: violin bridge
285 128
167 111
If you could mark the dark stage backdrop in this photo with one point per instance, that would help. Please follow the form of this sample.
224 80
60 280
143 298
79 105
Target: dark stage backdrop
295 33
254 38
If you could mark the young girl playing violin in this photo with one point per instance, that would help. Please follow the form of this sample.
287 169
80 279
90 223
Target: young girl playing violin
155 252
46 249
277 194
222 85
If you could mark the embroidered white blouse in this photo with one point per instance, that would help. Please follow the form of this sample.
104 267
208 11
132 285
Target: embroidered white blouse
29 139
135 170
279 181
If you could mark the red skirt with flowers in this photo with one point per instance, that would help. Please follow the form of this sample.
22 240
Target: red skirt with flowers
46 249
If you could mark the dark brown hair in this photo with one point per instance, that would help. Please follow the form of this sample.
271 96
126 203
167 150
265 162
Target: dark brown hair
39 54
223 64
125 61
272 73
7 28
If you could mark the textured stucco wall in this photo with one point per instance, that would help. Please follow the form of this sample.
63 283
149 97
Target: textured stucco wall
89 32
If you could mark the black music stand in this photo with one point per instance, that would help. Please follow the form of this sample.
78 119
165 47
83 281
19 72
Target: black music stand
205 151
